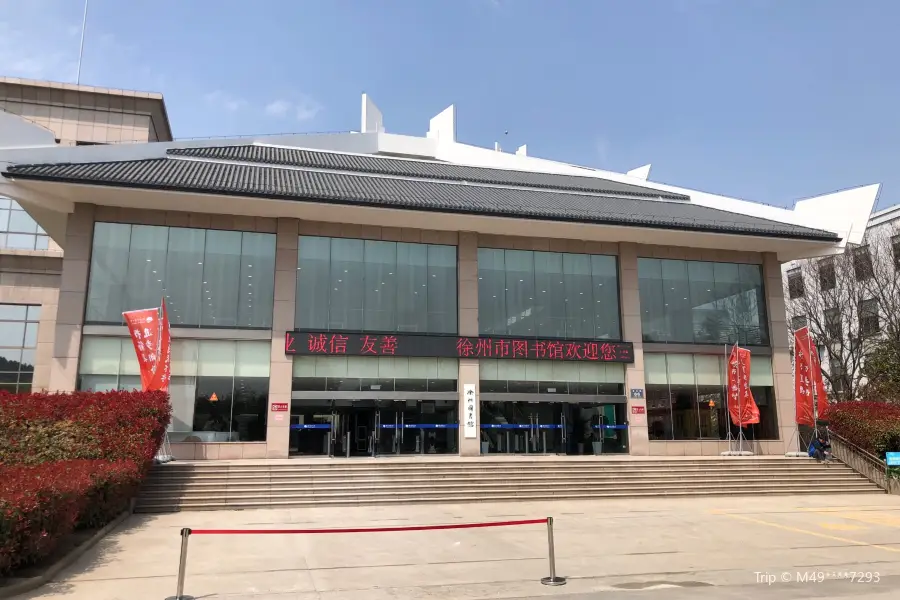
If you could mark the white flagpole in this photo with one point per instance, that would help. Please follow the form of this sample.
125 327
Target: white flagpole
81 47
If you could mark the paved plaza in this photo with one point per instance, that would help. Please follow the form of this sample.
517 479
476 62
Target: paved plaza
671 549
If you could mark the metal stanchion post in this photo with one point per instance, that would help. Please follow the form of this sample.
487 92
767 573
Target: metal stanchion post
554 579
182 567
347 445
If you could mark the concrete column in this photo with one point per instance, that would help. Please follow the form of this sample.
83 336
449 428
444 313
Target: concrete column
467 254
73 289
630 300
781 353
281 366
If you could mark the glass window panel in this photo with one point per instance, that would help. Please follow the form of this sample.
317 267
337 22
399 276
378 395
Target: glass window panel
604 277
536 370
249 409
19 241
347 277
213 416
448 368
257 280
221 274
363 366
761 371
709 322
379 287
130 382
21 222
13 312
517 370
182 394
442 292
680 369
708 370
659 411
12 333
128 362
109 268
393 368
31 333
676 299
729 299
655 370
550 291
412 281
2 240
313 278
487 369
615 373
304 366
423 368
216 359
591 372
653 311
146 267
185 288
252 359
491 292
34 313
520 293
100 356
579 296
332 366
4 218
756 331
41 242
27 360
10 358
98 383
184 359
563 371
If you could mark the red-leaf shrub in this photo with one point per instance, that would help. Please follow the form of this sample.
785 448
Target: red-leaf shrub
873 426
40 427
71 460
39 506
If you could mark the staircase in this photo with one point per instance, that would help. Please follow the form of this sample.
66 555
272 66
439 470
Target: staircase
291 484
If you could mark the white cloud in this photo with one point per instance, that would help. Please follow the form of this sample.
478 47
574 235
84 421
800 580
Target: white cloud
278 108
36 53
304 108
224 101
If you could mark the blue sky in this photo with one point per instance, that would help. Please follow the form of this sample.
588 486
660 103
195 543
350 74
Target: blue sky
767 100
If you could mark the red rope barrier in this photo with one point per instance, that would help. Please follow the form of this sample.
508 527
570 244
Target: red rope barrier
365 529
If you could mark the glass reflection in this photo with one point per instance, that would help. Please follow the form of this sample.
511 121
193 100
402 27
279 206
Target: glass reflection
547 294
702 302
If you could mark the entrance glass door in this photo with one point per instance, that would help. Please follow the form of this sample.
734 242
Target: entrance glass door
417 427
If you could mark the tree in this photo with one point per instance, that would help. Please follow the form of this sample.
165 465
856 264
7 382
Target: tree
882 372
851 303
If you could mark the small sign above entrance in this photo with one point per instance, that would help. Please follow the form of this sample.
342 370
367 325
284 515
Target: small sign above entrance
638 410
364 344
637 393
279 407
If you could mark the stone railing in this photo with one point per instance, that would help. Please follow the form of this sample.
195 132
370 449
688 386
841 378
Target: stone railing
863 462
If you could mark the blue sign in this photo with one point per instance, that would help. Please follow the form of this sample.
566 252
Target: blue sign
637 393
311 426
892 459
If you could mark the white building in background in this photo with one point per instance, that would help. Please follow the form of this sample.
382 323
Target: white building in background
884 229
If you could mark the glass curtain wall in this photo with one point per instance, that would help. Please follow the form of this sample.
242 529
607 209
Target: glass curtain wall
686 397
18 231
209 278
547 294
382 374
550 377
699 302
18 340
219 389
370 285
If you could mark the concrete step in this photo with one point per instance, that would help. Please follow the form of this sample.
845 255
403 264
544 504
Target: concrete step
306 502
661 478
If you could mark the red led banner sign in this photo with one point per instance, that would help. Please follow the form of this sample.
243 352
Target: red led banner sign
361 344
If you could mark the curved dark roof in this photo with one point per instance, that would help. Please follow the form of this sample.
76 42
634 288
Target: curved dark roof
420 169
362 189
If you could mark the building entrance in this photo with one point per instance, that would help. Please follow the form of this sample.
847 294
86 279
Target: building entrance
373 427
541 427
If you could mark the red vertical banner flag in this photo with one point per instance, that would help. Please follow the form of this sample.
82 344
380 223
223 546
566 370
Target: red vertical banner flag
818 382
152 345
803 390
162 373
741 405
